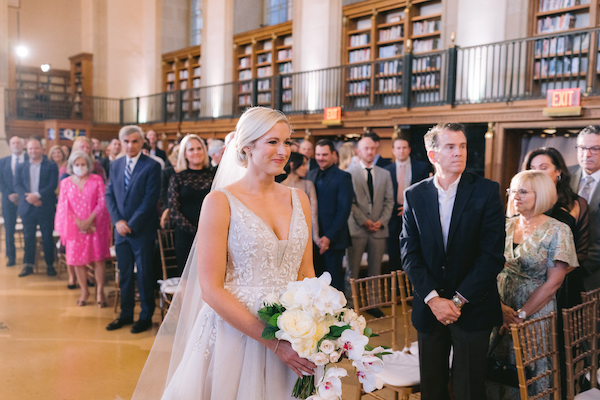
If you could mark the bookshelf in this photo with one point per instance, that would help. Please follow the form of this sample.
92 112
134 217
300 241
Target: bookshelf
556 16
81 85
263 58
182 80
374 34
42 95
426 25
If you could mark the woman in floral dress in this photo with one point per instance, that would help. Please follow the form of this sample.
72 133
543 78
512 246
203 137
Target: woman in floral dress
539 252
83 223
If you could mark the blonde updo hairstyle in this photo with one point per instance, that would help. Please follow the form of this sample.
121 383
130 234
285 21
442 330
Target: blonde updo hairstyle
253 124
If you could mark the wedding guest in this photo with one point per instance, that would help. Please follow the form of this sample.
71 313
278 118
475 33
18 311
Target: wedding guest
83 223
10 197
66 150
167 173
35 182
146 151
347 154
379 161
131 198
215 151
308 150
152 138
96 149
539 251
113 151
187 190
57 154
296 169
84 144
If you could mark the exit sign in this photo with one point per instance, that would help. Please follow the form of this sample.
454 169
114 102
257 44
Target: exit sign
332 116
563 102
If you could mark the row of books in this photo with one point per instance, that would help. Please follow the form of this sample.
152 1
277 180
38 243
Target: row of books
424 82
286 95
362 71
170 97
390 67
423 27
264 71
245 62
557 67
361 102
389 84
197 71
556 24
551 5
424 45
263 98
245 100
392 100
186 94
359 55
395 32
182 85
264 84
196 82
426 63
286 68
286 82
183 74
362 87
264 58
286 108
284 54
392 50
558 46
171 76
362 39
245 75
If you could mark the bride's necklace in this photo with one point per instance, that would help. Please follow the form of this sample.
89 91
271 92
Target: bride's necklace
528 227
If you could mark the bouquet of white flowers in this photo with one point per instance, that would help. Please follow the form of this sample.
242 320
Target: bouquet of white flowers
310 314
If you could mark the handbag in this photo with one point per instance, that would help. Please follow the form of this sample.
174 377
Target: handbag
502 372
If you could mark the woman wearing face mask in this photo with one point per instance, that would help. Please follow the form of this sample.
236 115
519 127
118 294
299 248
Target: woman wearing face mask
83 223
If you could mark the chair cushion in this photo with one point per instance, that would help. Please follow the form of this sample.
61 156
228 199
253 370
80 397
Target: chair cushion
401 368
169 286
592 394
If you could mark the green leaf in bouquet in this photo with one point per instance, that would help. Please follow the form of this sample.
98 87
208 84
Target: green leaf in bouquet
265 313
368 332
269 332
336 331
368 347
273 320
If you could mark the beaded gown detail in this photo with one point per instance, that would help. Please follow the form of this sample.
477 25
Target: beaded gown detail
220 362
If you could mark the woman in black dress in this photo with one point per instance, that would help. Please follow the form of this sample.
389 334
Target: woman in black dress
187 190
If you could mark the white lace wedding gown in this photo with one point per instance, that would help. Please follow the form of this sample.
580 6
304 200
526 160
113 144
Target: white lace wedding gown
220 362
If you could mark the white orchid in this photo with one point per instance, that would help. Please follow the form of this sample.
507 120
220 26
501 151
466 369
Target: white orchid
353 343
307 293
329 301
369 380
369 363
330 387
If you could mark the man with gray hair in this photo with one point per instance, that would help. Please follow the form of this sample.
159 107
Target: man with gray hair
215 151
452 248
584 182
131 198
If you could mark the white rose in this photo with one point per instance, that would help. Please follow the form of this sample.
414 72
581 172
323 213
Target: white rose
319 358
271 299
287 300
359 324
297 323
349 316
334 357
305 347
327 346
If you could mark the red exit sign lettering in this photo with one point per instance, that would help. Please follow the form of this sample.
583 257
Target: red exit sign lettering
563 98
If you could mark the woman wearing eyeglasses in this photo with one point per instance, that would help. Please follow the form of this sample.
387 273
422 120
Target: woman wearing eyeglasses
539 251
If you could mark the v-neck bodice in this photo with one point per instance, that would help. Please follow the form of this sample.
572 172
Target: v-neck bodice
258 263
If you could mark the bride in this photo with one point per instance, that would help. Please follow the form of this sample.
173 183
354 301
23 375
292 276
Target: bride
253 238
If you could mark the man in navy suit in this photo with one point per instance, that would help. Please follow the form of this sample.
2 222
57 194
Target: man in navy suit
36 180
154 149
452 247
131 197
334 197
10 197
406 171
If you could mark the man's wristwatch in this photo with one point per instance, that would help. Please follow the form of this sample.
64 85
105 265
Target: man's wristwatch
458 302
522 314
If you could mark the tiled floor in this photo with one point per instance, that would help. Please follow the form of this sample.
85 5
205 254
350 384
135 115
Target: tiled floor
50 349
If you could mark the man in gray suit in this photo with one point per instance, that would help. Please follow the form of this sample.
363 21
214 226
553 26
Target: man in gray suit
584 181
372 208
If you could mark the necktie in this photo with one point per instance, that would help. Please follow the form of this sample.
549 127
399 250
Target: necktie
401 178
128 173
586 189
370 183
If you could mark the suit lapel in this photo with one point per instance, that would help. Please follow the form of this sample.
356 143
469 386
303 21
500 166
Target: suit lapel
575 180
430 201
136 171
463 193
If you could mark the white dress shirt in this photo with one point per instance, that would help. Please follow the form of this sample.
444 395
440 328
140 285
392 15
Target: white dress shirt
595 176
446 200
366 173
15 159
407 172
134 159
34 178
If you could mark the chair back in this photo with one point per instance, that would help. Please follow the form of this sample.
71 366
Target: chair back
580 331
166 245
591 295
535 345
406 296
374 292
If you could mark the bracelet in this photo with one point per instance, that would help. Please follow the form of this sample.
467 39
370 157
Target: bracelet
276 346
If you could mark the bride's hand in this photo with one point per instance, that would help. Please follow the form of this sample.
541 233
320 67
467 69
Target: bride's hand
293 360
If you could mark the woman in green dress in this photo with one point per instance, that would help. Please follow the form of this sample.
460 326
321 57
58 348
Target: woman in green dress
539 251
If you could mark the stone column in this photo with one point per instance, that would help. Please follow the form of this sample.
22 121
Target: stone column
4 149
217 56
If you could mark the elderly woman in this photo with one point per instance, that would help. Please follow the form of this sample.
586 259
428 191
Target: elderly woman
83 223
539 251
187 190
84 144
296 169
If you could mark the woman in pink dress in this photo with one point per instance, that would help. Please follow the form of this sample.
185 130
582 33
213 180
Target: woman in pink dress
83 223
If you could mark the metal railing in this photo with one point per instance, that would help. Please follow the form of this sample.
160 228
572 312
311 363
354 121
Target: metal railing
513 70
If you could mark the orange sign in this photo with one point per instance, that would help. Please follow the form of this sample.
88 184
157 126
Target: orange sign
332 116
563 97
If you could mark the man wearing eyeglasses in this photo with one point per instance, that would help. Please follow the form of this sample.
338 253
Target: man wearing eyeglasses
585 178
